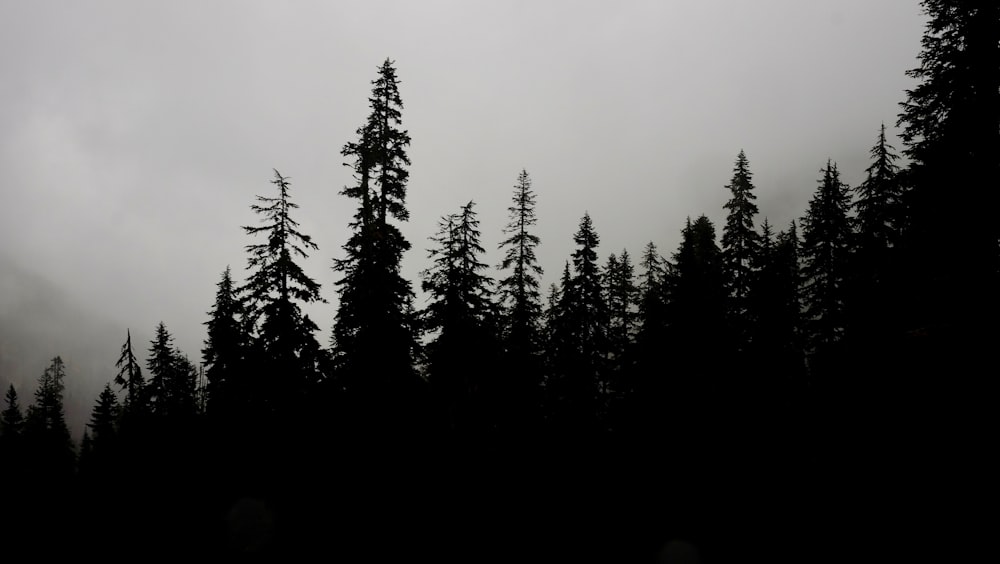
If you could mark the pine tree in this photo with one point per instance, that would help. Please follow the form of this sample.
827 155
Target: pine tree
582 336
951 133
740 244
622 297
462 314
878 222
826 240
519 292
45 426
11 418
224 350
172 378
374 336
287 352
99 450
776 303
129 378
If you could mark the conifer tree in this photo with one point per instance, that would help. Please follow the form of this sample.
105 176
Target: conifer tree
225 348
129 378
45 426
873 269
825 248
99 450
740 243
11 418
172 378
622 297
519 292
374 336
582 335
951 133
286 350
463 316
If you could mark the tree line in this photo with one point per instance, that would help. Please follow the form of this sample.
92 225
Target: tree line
790 352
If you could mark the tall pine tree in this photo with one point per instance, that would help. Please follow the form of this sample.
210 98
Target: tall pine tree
825 248
286 353
740 243
224 351
462 315
374 334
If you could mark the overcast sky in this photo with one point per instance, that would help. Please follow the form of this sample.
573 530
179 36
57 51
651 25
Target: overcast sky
134 135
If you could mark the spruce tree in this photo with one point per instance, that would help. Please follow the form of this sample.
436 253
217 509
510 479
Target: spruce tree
951 133
11 418
99 454
740 243
519 292
622 297
129 378
825 248
224 350
45 429
374 335
873 284
463 316
286 353
582 336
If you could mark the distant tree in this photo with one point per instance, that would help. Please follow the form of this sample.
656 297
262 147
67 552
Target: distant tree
740 243
583 324
519 292
45 428
286 350
225 349
464 318
172 378
375 332
129 378
99 450
878 224
697 287
825 248
776 303
11 418
622 297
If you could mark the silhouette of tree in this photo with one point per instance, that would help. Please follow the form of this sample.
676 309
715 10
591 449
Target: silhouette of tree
521 300
374 336
740 243
45 426
11 418
98 451
825 248
172 378
879 216
622 297
285 345
582 335
224 350
951 133
465 320
129 378
776 306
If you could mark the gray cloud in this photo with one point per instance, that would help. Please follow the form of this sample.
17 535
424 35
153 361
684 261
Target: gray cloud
134 135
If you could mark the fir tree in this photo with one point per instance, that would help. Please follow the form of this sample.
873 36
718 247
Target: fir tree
826 239
584 324
739 247
45 425
951 133
224 350
519 292
99 450
463 316
374 336
11 418
172 378
873 290
286 347
129 378
622 297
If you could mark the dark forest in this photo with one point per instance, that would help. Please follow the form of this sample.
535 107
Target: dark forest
783 392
